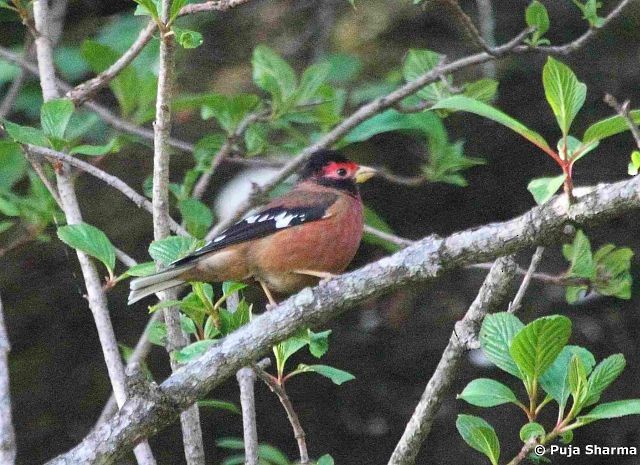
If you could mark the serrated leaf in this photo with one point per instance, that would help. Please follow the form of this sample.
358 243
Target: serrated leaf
334 374
555 381
187 325
616 409
462 103
312 78
187 38
171 249
192 351
419 62
536 16
13 165
531 430
91 241
427 124
54 117
483 90
565 94
485 392
605 373
25 134
220 405
539 343
176 6
150 7
157 333
96 150
496 334
229 287
273 75
579 255
142 269
543 189
228 110
480 435
609 127
196 216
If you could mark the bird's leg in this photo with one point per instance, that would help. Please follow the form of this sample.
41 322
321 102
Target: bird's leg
324 275
267 292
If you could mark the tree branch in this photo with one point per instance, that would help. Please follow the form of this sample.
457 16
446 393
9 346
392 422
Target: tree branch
425 260
246 380
623 111
176 338
95 294
492 295
109 179
280 391
515 304
7 433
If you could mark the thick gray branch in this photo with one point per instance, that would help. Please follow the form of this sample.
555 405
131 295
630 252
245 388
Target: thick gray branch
425 260
492 295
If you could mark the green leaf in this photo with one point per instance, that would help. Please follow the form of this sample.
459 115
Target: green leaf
96 150
485 392
565 94
419 62
176 6
483 90
496 334
579 255
539 343
229 111
318 342
480 435
531 430
326 459
273 75
5 226
187 325
590 12
462 103
171 249
150 8
613 271
157 333
142 269
446 160
425 123
271 455
229 287
555 381
230 443
188 39
343 68
13 165
605 373
371 218
543 189
196 216
312 78
25 134
536 16
634 164
337 376
616 409
609 127
192 351
54 117
577 382
220 405
91 241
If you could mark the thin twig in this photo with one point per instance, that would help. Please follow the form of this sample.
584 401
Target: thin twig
95 294
515 304
202 184
176 338
623 111
246 380
524 452
7 432
138 199
467 23
281 393
491 296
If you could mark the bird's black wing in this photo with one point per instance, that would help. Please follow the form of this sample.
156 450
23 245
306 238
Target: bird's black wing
259 225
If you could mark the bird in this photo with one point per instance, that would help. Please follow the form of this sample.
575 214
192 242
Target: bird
306 235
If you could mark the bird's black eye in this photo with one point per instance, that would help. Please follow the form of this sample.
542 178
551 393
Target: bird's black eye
342 172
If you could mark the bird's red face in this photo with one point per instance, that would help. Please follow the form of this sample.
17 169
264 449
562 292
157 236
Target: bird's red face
347 170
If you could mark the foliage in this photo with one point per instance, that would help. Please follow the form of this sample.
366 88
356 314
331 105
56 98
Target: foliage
551 371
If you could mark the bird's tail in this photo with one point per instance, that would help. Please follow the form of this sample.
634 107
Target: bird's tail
147 285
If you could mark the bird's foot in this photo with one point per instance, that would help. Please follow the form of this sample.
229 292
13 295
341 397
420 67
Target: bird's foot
323 275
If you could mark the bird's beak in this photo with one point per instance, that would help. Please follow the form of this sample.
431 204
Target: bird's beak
364 173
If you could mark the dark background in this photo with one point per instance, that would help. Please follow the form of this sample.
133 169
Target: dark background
392 344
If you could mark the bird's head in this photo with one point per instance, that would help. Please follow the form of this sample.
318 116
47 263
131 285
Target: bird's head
331 168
